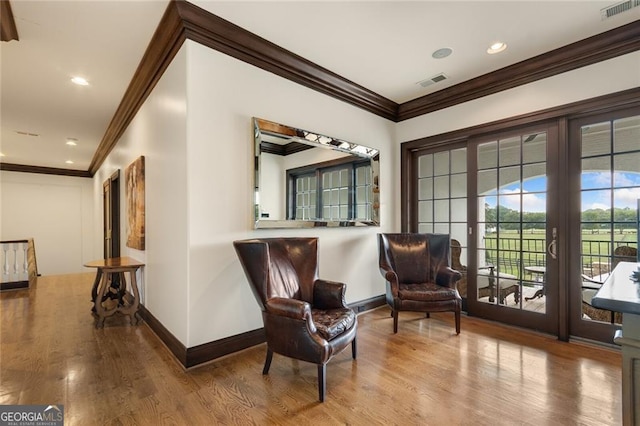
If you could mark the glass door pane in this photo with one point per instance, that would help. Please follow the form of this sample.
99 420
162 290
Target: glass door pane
512 226
609 194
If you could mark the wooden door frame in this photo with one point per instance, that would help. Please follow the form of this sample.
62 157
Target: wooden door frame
548 322
576 325
409 151
111 214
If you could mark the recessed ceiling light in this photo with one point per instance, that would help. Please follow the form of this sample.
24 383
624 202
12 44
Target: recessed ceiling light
80 81
72 141
442 53
69 162
496 48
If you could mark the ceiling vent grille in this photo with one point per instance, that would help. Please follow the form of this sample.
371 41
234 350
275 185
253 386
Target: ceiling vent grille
618 8
436 78
20 132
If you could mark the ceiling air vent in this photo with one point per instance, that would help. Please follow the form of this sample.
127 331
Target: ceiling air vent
20 132
618 8
435 79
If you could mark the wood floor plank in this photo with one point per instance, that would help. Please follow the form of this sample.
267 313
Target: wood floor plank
490 374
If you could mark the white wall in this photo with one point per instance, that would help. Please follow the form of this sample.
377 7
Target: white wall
223 95
159 133
606 77
272 186
199 177
56 211
199 190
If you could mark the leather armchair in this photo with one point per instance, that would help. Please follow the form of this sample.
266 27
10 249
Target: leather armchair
305 318
418 276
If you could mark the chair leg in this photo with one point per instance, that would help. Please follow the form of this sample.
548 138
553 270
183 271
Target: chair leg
428 315
354 348
322 383
267 361
395 321
457 322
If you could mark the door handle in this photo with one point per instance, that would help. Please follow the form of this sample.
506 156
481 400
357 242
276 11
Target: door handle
552 248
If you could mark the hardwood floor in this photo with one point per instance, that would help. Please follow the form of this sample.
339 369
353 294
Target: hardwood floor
488 375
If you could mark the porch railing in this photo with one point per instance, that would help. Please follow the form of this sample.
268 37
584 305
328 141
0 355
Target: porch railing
19 265
518 253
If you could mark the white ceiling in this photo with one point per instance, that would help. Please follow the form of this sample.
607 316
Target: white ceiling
385 46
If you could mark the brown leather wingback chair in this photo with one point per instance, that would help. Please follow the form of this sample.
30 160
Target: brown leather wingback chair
418 276
304 317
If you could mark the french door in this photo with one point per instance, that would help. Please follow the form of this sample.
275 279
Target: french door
538 215
605 192
496 196
514 217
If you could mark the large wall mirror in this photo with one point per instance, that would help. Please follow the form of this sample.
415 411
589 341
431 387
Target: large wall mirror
304 179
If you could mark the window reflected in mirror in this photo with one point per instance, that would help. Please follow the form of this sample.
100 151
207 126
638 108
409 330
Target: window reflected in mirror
305 179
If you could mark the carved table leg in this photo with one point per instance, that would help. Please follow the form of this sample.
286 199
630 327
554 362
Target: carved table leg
101 311
94 290
130 308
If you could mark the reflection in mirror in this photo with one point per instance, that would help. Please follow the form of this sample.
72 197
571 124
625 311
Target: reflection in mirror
305 179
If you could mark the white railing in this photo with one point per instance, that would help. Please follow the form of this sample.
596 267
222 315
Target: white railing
18 262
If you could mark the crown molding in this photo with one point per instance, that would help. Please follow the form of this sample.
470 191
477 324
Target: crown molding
162 48
10 167
183 20
629 98
212 31
598 48
8 29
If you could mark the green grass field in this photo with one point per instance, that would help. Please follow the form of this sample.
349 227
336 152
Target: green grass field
518 250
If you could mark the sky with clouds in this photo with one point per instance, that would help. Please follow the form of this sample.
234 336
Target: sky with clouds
596 194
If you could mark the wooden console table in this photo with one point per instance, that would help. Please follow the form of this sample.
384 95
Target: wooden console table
620 294
125 302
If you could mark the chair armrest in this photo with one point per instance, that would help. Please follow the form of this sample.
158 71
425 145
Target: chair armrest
447 277
384 263
329 294
392 278
291 308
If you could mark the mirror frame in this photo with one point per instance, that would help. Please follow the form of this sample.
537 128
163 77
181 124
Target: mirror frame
294 140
